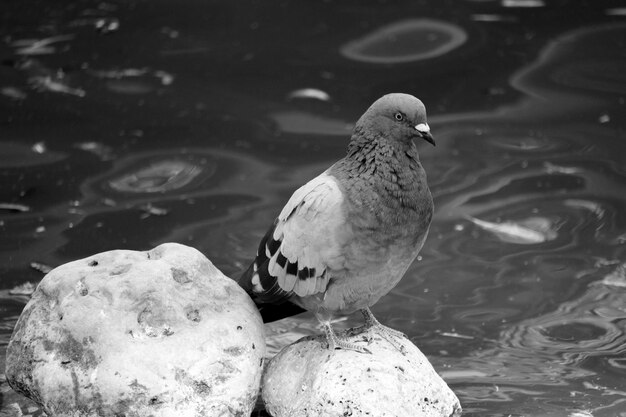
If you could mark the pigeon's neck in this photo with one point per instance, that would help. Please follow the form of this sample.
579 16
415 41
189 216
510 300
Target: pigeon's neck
394 161
390 168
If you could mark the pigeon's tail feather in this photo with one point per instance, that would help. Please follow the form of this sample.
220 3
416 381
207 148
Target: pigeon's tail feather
270 310
272 301
271 292
250 277
245 280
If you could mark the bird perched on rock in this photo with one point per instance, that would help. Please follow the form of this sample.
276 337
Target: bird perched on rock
346 238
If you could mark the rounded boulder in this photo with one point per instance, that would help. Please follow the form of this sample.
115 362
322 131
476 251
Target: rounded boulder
155 333
306 379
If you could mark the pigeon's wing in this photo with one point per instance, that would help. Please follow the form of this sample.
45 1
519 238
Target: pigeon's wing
306 240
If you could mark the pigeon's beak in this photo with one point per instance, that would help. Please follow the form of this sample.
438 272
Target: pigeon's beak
424 131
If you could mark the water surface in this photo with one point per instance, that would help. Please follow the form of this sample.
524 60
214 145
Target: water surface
125 124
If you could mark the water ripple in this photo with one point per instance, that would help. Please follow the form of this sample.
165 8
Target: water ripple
589 326
406 41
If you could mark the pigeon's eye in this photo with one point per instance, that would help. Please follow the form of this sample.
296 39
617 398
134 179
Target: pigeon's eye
399 117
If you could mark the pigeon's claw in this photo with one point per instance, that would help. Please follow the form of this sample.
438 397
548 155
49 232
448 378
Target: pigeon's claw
392 336
387 333
336 342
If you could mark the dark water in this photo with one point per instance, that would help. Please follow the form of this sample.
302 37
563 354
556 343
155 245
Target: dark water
125 124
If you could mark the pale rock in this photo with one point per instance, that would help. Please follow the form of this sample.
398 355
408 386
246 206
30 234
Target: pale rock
125 333
306 379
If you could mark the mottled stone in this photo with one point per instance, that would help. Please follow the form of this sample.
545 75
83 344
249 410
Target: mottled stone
307 379
126 333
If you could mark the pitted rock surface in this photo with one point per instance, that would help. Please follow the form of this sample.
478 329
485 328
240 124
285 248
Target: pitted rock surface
160 333
306 379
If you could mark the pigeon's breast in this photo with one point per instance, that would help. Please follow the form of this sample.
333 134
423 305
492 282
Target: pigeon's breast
388 224
371 272
391 207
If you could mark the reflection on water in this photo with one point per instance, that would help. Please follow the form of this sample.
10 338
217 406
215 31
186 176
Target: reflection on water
406 41
577 349
160 177
525 232
299 122
17 155
128 126
564 345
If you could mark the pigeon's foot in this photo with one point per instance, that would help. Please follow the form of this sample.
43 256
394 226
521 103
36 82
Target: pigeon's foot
387 333
391 336
336 342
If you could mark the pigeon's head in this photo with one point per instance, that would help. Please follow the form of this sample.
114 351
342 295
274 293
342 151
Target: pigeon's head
397 116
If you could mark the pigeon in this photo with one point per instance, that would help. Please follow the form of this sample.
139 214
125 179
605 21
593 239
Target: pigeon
346 237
